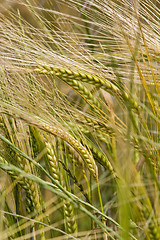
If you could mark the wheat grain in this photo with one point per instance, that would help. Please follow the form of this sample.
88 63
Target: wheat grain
53 164
71 224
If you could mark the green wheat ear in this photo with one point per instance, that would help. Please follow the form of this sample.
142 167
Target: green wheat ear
70 222
73 78
62 134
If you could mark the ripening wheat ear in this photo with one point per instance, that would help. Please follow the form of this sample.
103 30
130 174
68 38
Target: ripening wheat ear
11 130
73 78
59 132
33 200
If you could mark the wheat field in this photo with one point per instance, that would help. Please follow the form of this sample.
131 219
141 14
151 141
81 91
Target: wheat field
80 119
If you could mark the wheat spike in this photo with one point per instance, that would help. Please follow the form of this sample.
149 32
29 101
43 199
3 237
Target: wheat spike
71 77
57 131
